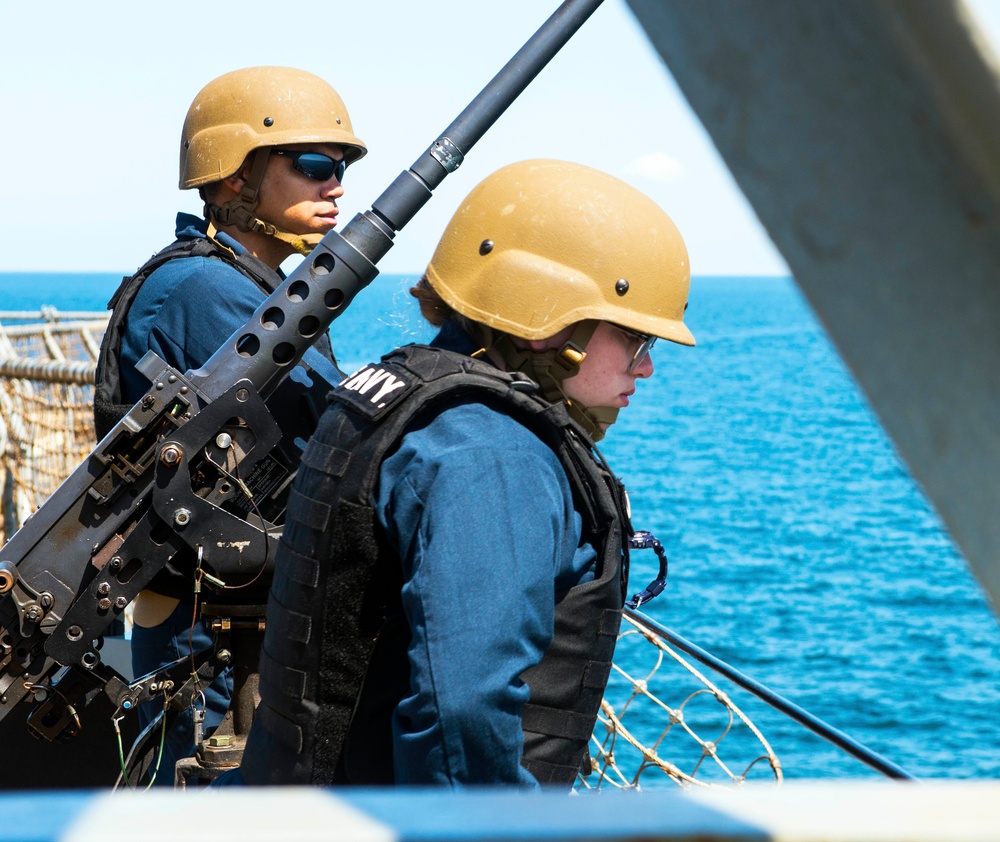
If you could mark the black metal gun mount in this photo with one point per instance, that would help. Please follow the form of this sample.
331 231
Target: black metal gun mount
170 476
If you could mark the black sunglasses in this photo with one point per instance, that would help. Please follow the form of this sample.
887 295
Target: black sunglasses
314 165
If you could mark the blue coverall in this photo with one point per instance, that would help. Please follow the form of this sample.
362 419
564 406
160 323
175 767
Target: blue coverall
482 516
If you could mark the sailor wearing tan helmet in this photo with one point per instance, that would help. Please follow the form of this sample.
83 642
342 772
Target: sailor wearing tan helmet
267 149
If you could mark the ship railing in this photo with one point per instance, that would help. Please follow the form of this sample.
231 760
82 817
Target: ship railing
640 737
47 362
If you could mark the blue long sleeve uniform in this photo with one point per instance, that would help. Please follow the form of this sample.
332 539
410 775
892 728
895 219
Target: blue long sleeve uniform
188 307
481 514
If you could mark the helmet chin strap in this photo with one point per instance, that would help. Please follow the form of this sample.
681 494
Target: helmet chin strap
240 211
598 415
550 368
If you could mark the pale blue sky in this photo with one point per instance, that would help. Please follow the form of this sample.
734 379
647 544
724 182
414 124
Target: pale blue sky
94 96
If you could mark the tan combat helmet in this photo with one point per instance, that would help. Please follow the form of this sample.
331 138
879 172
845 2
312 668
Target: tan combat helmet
541 245
258 108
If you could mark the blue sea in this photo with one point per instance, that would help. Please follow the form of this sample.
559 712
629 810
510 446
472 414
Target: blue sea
801 551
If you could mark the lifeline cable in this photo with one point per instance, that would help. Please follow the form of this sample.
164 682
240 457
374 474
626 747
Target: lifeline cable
803 717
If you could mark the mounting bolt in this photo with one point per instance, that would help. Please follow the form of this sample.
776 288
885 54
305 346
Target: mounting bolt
104 588
224 655
121 602
33 613
171 455
46 599
182 517
104 603
116 562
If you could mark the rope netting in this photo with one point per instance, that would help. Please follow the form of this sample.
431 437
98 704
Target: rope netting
637 731
47 363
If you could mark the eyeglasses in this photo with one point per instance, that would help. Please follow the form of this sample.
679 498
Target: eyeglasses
646 343
314 165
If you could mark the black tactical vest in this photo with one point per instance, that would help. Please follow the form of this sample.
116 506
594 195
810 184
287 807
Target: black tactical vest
109 404
334 666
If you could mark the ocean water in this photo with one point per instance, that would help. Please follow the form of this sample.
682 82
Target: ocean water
801 551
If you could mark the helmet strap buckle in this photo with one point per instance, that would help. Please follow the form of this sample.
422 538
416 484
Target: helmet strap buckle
571 355
240 211
573 352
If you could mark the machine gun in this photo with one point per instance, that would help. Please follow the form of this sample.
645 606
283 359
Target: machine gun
173 475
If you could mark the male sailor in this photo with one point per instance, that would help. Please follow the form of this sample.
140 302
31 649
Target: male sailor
267 148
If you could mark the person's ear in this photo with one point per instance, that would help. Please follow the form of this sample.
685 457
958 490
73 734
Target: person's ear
236 181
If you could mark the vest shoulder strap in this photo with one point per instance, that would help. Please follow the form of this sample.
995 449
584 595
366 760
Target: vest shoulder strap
109 404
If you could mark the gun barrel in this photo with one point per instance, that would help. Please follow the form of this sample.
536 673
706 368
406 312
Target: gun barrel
319 290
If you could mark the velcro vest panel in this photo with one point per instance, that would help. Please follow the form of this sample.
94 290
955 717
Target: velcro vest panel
333 663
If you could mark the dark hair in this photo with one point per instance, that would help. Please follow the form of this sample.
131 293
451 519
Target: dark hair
432 306
208 192
437 311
